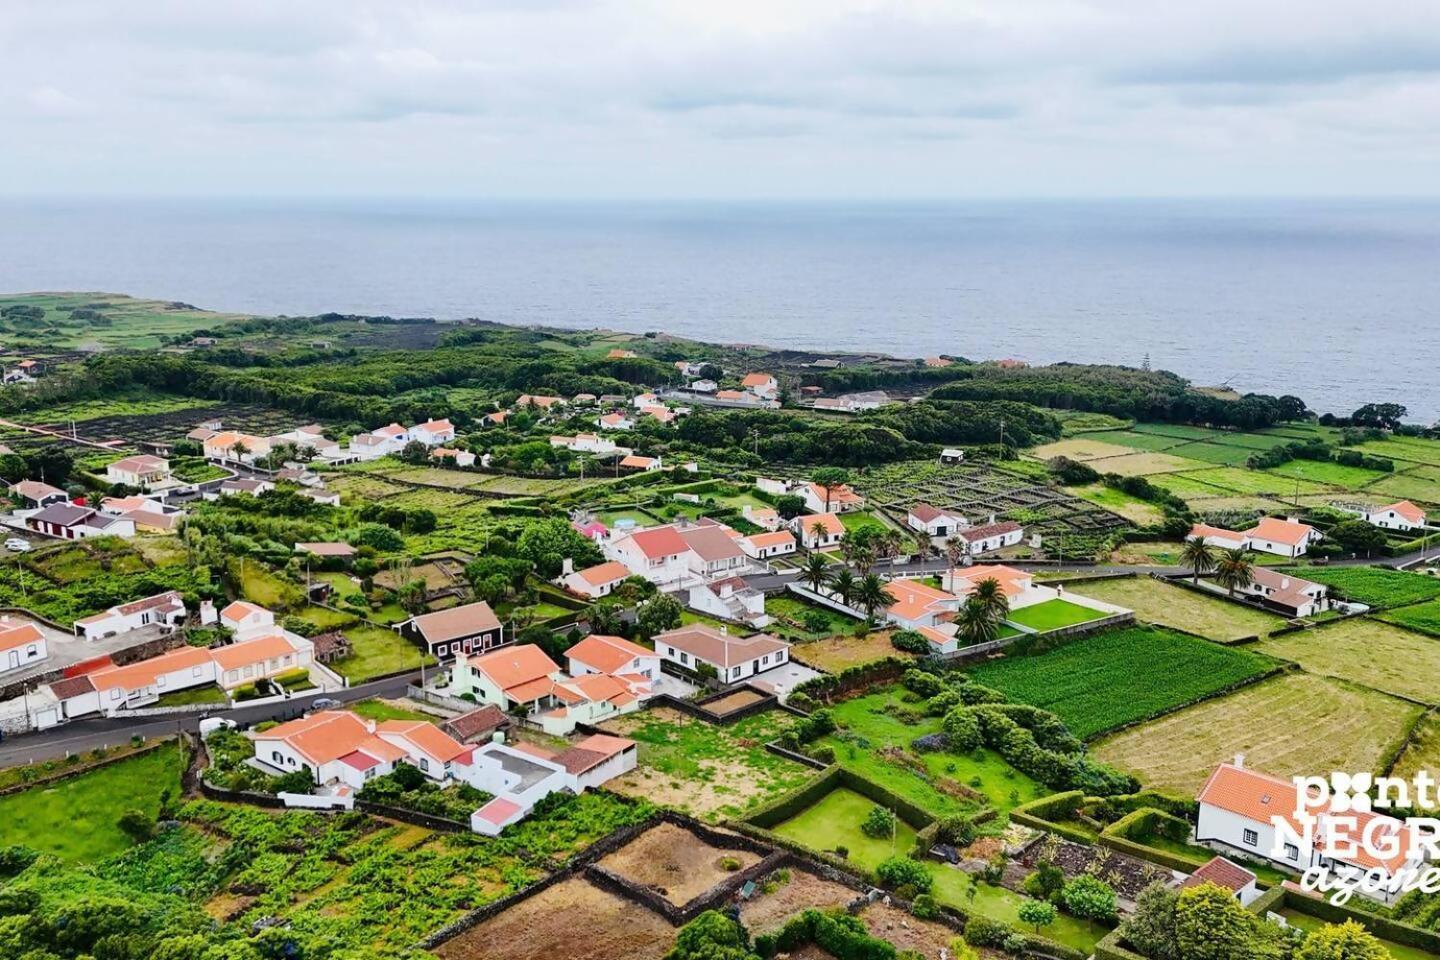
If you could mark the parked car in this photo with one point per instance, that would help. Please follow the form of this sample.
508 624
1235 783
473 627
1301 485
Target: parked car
326 703
17 545
210 724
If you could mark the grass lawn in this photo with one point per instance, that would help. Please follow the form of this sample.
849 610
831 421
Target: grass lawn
1117 501
1175 753
1114 677
706 771
789 607
325 618
259 585
1424 617
377 651
181 698
834 654
340 583
1053 614
375 709
834 821
1173 606
1255 482
1328 472
1368 652
1222 454
883 720
859 520
1376 586
1421 484
74 819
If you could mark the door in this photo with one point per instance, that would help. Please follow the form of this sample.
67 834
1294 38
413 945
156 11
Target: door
14 659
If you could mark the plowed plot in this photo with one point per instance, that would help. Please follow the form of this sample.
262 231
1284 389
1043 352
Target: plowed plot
1081 448
734 701
573 920
766 912
1295 724
675 862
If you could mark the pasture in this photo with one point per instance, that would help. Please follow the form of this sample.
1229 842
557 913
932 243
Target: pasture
1369 652
1157 602
1424 617
1277 724
1376 586
1115 677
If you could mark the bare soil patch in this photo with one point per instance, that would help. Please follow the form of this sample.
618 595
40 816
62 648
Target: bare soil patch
573 920
905 931
675 862
835 653
765 912
736 700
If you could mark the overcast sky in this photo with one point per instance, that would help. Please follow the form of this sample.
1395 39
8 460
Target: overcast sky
735 98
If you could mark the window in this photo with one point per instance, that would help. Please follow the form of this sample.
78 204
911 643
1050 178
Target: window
442 649
424 764
1292 852
195 671
670 651
734 671
32 650
275 755
780 656
765 659
684 657
1251 838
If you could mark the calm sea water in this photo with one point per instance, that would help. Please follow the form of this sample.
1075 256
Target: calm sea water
1338 302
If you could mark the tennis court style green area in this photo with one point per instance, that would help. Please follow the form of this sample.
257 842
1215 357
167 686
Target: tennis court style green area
1376 586
77 819
1369 652
1289 725
1053 614
1108 679
1155 601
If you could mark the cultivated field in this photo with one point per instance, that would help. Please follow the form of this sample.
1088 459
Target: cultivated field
1293 724
1424 617
1134 509
770 908
1368 652
1115 677
1183 609
1423 751
1376 586
573 919
675 862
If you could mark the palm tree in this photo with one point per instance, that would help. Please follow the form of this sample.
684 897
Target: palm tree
955 550
1234 569
863 556
818 531
976 623
872 595
843 583
1198 556
990 596
815 571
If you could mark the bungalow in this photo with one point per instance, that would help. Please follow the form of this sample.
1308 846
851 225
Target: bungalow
1287 593
70 522
714 552
615 421
310 438
990 536
523 775
245 619
733 658
142 683
589 699
762 546
1285 538
235 447
944 641
334 746
597 581
462 458
149 516
642 464
588 443
1228 876
260 658
659 554
21 645
143 471
432 432
1017 585
730 599
819 499
515 676
163 609
38 493
453 633
327 550
479 724
1255 813
426 746
763 385
245 485
818 530
919 605
743 398
934 522
599 653
1217 537
1403 515
703 386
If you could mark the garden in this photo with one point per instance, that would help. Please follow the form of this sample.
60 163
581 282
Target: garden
1053 614
1116 677
377 652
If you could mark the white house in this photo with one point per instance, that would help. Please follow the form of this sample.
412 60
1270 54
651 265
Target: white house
235 447
246 486
1289 594
819 499
714 551
730 599
143 471
245 619
508 677
516 779
772 486
597 581
919 605
1285 538
818 530
659 554
590 699
432 433
615 421
260 658
989 537
21 645
599 653
763 385
642 464
165 609
1403 515
37 493
142 683
763 546
374 445
933 521
733 658
767 518
333 746
462 458
67 521
311 437
433 751
1255 813
1217 537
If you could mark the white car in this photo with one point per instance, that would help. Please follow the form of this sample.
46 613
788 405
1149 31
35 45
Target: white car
17 545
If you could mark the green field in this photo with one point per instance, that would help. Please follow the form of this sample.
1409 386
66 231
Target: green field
1376 586
1052 615
377 652
1217 453
1254 482
1327 472
786 607
1367 652
133 323
1108 679
1134 509
1136 440
75 819
1424 617
1171 606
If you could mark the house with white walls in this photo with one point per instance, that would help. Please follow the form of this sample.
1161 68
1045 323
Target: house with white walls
143 471
730 599
734 658
164 609
599 653
989 537
762 385
821 499
1284 538
594 582
1402 515
763 546
432 433
934 522
919 605
714 550
1217 537
21 645
818 530
659 554
333 746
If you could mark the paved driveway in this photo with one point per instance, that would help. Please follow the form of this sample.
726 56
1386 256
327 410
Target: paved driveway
784 678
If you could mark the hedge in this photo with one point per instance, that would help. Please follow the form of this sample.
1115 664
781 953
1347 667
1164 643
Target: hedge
1382 927
788 805
1120 836
1111 948
1049 813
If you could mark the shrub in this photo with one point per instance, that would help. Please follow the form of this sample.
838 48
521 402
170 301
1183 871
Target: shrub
1037 913
902 871
962 727
1089 898
955 830
729 864
879 823
910 641
136 824
295 781
1045 882
982 931
924 907
815 621
922 683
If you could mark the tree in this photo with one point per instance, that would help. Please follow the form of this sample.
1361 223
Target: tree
411 596
658 614
1151 928
415 452
829 480
1197 555
790 506
1037 913
1210 924
903 872
843 583
878 824
1343 941
606 618
1386 416
1089 898
872 595
1357 536
711 936
1234 570
975 624
295 781
549 543
990 596
815 571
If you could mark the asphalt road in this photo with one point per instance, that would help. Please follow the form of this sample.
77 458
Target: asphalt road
82 735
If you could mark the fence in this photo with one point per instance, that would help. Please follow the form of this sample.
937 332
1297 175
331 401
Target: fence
308 801
825 601
415 692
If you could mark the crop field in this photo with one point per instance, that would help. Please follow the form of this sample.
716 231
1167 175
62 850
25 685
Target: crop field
1328 473
1137 511
1217 453
706 771
1171 606
1131 440
1376 586
1421 484
979 491
168 427
1276 724
1144 464
675 862
1080 421
1367 652
1081 448
1424 617
1412 449
1108 679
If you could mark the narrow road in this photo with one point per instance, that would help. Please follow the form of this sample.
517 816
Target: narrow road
82 735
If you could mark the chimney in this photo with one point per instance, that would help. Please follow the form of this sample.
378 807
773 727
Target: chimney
207 612
567 567
724 630
1239 761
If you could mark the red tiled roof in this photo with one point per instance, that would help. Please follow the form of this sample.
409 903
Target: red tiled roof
605 653
660 542
1221 872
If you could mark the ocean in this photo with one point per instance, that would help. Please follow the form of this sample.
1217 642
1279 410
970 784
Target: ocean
1335 301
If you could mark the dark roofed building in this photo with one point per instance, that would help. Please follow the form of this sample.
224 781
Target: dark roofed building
477 725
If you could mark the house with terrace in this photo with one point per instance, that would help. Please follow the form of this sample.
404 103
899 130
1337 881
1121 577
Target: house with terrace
1287 593
336 747
730 599
457 632
714 550
1403 515
432 433
733 658
521 775
822 499
919 605
162 610
989 537
511 677
143 471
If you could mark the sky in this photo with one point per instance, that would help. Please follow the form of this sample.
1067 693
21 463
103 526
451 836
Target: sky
727 99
